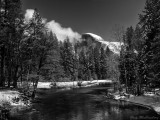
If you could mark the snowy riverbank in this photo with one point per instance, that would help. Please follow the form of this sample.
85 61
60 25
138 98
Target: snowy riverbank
151 100
148 99
11 102
14 98
74 84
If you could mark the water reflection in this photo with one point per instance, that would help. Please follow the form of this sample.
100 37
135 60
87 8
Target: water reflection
83 105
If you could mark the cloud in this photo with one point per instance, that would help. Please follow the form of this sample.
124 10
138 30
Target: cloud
29 14
61 32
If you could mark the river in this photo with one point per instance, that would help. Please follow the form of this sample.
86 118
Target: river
83 104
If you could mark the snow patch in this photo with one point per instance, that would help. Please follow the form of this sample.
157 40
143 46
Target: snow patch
44 85
149 94
7 96
157 109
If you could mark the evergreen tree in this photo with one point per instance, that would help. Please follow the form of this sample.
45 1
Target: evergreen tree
52 69
69 60
82 65
138 41
150 54
35 48
127 60
92 64
97 61
103 64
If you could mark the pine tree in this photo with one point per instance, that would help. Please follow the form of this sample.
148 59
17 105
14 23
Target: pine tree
138 39
82 65
69 60
129 57
128 60
97 61
92 64
52 69
150 54
35 48
103 64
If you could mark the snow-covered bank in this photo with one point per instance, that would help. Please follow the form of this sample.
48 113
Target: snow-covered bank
6 96
148 99
11 102
152 101
11 97
74 84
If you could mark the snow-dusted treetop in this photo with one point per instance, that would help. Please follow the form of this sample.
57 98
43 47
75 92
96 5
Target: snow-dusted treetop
113 46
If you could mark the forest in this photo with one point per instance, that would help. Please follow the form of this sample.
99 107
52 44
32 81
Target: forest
30 52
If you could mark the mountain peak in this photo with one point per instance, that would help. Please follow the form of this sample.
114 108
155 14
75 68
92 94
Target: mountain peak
94 36
113 46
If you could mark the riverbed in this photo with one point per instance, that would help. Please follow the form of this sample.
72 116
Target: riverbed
82 104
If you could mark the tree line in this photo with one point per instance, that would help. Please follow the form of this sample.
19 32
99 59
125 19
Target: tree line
139 58
30 52
88 62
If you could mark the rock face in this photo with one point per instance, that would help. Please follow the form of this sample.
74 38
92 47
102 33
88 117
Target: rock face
90 39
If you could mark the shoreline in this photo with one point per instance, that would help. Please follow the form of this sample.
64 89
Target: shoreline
150 102
11 102
73 84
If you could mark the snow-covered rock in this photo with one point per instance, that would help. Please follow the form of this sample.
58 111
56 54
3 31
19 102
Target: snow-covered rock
117 97
115 47
95 36
9 96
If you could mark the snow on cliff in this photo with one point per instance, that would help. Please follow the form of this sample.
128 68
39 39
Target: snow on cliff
94 36
113 46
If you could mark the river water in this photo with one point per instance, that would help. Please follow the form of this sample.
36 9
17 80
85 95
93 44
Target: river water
83 104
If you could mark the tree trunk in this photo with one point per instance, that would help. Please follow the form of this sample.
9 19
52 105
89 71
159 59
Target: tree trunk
21 75
37 79
35 84
9 75
2 82
15 77
139 91
126 82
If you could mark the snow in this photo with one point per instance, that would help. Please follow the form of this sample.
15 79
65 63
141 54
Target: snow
72 84
149 94
113 46
7 96
117 97
157 109
44 85
95 36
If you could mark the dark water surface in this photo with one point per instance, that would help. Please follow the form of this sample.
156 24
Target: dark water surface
83 104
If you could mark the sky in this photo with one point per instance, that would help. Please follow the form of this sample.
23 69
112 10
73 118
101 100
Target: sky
75 17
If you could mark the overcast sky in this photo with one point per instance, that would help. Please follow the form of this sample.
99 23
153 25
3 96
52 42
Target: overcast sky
95 16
